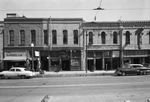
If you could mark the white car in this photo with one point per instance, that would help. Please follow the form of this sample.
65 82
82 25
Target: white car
17 72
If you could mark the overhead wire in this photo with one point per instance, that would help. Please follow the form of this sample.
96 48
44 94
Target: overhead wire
71 9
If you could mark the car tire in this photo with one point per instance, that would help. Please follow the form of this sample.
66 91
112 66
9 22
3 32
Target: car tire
23 77
2 77
123 73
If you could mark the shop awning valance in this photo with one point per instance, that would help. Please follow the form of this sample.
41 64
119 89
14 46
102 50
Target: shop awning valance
15 58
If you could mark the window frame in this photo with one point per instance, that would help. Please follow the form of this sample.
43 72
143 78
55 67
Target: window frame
65 37
22 37
54 36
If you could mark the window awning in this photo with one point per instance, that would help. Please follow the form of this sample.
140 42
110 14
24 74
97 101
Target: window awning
15 58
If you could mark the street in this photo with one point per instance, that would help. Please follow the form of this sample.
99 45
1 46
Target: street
77 89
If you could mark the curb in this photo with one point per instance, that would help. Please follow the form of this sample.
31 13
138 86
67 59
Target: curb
73 74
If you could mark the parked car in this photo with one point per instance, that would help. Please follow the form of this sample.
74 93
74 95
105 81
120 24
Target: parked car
17 72
138 69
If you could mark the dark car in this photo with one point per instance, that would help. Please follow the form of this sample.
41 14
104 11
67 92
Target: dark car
138 69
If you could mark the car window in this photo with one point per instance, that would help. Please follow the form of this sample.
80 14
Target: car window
18 70
12 69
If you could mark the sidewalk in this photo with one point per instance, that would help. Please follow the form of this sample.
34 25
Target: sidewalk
75 73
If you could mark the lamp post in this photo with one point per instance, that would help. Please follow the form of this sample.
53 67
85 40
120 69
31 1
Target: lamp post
32 45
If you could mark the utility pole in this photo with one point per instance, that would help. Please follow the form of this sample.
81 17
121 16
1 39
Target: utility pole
121 47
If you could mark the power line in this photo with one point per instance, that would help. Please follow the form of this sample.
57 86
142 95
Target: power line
72 9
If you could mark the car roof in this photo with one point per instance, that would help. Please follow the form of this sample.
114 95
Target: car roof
136 65
18 68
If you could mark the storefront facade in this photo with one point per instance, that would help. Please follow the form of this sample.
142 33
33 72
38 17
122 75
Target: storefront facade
57 40
112 44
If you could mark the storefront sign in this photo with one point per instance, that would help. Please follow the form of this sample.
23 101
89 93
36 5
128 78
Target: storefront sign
75 62
15 54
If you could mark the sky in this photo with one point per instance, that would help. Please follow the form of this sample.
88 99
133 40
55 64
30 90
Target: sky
114 10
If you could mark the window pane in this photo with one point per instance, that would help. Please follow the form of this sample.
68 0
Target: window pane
75 32
11 34
127 37
103 37
45 37
54 38
90 38
115 39
33 37
22 37
65 37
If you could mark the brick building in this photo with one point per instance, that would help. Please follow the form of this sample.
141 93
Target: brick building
112 44
71 44
57 40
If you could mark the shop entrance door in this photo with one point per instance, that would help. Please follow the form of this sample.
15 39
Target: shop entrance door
99 64
66 65
91 64
44 64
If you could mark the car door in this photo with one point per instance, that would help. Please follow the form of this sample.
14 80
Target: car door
18 72
11 73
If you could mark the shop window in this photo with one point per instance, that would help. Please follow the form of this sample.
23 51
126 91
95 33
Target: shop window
54 62
65 37
45 37
54 36
115 38
127 34
103 37
90 38
22 37
75 33
11 34
33 37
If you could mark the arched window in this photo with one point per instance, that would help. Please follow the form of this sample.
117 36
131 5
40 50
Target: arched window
90 38
127 34
115 38
103 37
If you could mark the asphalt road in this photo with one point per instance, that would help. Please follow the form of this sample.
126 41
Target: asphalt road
77 89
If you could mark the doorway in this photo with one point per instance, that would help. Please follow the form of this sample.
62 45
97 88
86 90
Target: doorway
99 64
66 65
91 64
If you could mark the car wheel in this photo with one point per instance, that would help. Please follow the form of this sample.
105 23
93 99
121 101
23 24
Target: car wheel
123 73
23 77
2 77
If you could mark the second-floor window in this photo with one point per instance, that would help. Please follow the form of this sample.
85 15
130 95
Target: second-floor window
11 34
65 37
115 38
149 36
127 34
90 38
22 37
103 37
33 37
46 37
54 36
75 33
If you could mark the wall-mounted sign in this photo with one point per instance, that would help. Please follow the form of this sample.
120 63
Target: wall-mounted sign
15 54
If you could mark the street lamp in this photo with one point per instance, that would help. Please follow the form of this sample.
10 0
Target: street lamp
32 45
